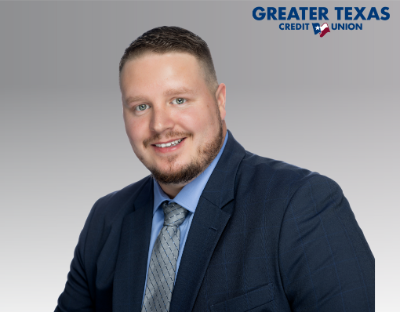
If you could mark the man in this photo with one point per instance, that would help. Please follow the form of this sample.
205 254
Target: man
214 227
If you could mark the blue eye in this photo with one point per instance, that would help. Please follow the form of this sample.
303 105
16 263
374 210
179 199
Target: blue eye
179 101
142 107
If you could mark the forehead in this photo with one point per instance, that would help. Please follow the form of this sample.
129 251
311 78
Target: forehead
153 75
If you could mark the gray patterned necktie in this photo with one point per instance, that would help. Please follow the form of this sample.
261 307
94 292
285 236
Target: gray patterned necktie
161 274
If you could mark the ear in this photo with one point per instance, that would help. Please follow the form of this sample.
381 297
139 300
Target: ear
220 95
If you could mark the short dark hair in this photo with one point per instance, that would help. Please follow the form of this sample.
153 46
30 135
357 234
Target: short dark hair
166 39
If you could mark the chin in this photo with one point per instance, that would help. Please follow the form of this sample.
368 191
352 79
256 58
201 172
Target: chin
181 174
169 169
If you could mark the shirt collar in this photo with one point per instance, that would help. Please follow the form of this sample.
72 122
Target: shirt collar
189 196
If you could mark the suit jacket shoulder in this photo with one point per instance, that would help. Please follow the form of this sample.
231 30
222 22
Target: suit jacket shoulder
89 284
269 179
114 206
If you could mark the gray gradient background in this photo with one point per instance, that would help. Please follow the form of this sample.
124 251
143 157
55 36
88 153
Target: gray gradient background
330 105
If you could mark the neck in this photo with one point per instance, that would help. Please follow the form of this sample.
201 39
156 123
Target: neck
172 189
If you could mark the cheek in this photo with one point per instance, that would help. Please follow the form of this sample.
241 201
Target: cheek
195 120
135 131
202 124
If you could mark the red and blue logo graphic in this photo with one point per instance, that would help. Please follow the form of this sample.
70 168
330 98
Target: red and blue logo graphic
322 30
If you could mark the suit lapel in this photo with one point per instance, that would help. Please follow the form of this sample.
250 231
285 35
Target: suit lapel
130 273
208 223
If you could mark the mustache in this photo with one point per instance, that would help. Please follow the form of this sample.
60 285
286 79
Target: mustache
168 135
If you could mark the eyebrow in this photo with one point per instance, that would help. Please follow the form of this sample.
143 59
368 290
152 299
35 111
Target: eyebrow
168 92
134 99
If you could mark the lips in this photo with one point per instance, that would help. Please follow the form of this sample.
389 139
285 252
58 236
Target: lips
169 144
168 147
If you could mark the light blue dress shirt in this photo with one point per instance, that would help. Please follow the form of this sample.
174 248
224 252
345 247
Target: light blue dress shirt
188 198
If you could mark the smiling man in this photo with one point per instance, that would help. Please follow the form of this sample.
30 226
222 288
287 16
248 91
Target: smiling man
214 227
173 115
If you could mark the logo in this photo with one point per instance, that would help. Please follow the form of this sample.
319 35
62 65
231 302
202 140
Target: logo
321 30
296 18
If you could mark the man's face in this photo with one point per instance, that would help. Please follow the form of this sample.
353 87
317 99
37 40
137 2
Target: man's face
173 121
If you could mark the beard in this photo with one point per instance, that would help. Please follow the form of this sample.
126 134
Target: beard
206 155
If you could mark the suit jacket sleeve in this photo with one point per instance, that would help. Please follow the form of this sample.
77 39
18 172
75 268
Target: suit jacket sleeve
325 261
76 295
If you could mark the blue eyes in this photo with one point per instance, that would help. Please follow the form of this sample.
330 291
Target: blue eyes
179 101
143 107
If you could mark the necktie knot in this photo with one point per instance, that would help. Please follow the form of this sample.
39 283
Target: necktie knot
174 214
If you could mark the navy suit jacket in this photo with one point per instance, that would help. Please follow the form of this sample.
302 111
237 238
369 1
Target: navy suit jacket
266 236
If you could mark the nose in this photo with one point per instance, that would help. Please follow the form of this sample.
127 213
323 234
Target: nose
161 119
